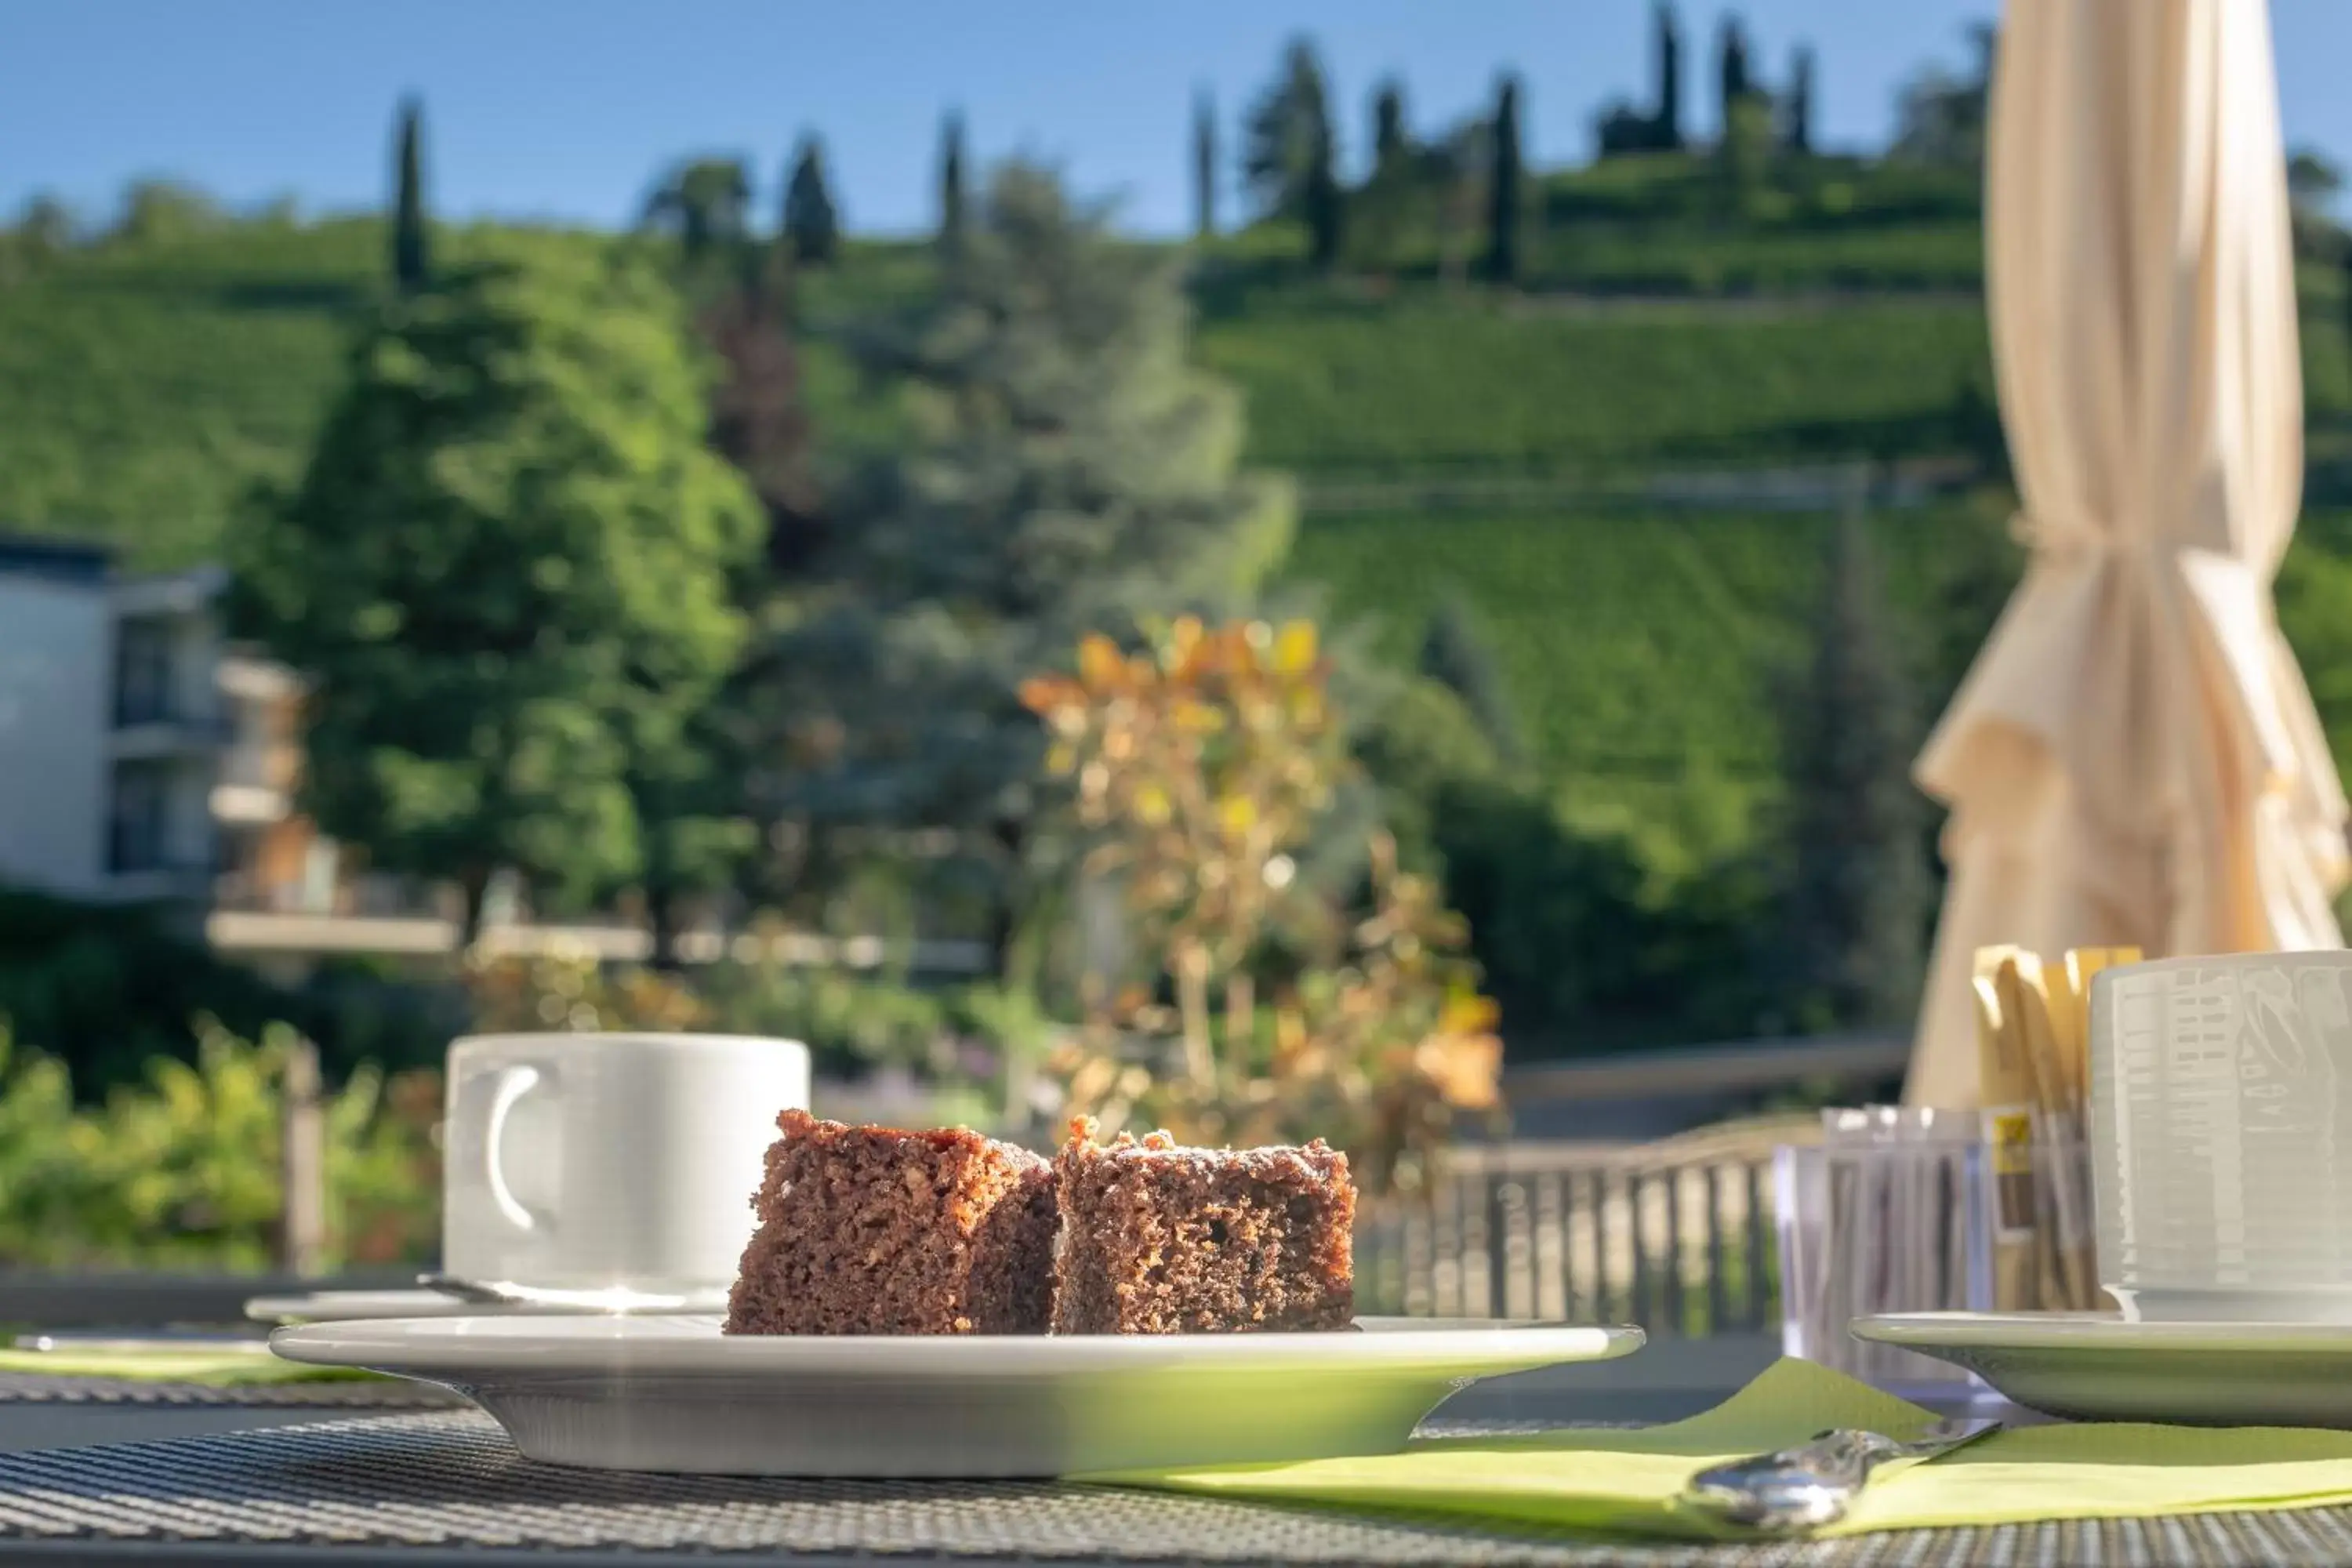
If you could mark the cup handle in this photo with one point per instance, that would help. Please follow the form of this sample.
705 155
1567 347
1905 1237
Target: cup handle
513 1083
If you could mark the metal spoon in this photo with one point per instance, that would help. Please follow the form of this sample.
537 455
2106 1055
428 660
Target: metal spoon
1804 1487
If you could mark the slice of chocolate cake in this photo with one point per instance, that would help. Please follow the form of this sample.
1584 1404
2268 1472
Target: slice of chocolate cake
869 1230
1161 1240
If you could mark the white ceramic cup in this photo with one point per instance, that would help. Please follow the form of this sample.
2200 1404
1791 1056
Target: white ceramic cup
593 1162
2222 1137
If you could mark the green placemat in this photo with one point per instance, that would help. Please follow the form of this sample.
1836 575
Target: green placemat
1627 1481
205 1366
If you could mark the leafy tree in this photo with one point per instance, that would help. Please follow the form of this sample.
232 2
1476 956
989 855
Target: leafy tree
1391 141
811 225
2313 180
46 223
1506 187
1289 156
1620 128
44 230
1798 134
707 204
1939 117
506 571
1456 655
1855 905
1068 471
1204 165
409 255
156 210
952 182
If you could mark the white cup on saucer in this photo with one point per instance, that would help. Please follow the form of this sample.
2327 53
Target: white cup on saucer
2222 1137
622 1163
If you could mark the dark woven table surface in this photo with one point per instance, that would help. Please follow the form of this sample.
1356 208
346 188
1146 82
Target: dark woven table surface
445 1486
373 1394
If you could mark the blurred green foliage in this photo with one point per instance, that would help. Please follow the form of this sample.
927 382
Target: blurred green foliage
1636 648
180 1170
149 378
109 987
146 382
1423 383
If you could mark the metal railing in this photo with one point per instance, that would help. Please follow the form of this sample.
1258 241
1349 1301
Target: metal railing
1681 1246
1681 1242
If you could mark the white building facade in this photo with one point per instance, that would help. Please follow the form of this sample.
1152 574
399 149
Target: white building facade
138 756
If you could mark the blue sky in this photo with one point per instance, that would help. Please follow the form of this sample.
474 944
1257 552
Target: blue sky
566 109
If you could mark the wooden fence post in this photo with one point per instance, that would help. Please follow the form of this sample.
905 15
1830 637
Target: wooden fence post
302 1143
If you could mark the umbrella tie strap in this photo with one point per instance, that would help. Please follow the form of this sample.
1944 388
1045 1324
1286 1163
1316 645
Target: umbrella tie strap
2075 544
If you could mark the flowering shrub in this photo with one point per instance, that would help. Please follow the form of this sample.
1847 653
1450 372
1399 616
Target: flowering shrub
1200 770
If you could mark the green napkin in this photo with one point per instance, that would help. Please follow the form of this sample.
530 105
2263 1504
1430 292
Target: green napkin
1627 1480
213 1367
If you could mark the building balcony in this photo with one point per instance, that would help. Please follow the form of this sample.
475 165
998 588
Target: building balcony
160 731
250 805
254 784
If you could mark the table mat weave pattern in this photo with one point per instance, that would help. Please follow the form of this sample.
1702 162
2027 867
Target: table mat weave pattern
389 1394
450 1479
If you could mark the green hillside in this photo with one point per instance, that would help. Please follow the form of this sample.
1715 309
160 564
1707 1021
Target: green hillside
144 390
1640 648
1543 385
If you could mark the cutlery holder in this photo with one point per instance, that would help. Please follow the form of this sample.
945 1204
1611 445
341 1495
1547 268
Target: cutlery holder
1903 1210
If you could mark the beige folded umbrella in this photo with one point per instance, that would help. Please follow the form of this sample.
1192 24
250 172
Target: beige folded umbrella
2133 758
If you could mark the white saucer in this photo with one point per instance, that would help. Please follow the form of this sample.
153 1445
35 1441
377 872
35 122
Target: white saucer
351 1306
670 1392
2090 1367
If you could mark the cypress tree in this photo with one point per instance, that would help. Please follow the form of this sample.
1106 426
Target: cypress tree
758 420
1390 142
706 202
1856 899
410 258
1204 164
1456 654
1733 84
1670 79
952 181
1289 151
1504 188
1323 203
1800 101
2347 265
812 227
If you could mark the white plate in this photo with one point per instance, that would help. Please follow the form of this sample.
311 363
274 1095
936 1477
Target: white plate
670 1392
345 1306
2093 1367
